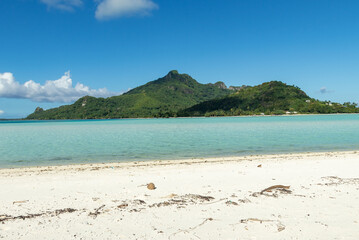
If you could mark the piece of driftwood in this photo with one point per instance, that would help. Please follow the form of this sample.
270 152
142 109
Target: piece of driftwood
24 201
97 212
255 220
139 201
124 205
229 202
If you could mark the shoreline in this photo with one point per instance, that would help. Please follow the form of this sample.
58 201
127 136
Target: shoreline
272 115
136 163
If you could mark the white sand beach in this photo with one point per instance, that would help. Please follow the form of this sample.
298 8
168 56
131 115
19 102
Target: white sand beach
317 198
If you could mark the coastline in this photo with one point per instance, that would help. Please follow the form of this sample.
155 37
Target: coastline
271 115
211 198
165 162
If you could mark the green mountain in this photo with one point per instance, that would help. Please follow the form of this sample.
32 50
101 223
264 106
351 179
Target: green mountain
180 95
163 97
268 98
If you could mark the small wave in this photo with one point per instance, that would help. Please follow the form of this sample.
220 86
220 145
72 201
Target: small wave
19 161
61 159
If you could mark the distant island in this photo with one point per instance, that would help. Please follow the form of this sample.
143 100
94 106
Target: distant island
179 95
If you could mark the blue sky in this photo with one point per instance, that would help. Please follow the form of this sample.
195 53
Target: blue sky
121 44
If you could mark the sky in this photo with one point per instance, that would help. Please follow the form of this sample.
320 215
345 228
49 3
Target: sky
53 52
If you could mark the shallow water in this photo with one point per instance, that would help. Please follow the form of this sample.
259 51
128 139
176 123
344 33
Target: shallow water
31 143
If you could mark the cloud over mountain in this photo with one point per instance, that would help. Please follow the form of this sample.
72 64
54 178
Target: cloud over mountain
60 90
119 8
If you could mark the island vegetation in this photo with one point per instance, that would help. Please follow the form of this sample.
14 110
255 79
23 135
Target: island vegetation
270 98
179 95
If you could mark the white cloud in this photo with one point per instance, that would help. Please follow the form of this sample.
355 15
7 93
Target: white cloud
119 8
323 90
67 5
60 90
1 112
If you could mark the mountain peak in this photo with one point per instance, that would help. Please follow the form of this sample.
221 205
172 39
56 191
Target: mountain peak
172 73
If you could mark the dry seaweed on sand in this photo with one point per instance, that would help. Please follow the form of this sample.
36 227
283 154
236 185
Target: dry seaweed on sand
334 180
275 188
279 225
199 197
184 200
282 188
56 212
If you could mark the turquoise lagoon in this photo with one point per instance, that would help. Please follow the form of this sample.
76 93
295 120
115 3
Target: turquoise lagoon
35 143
